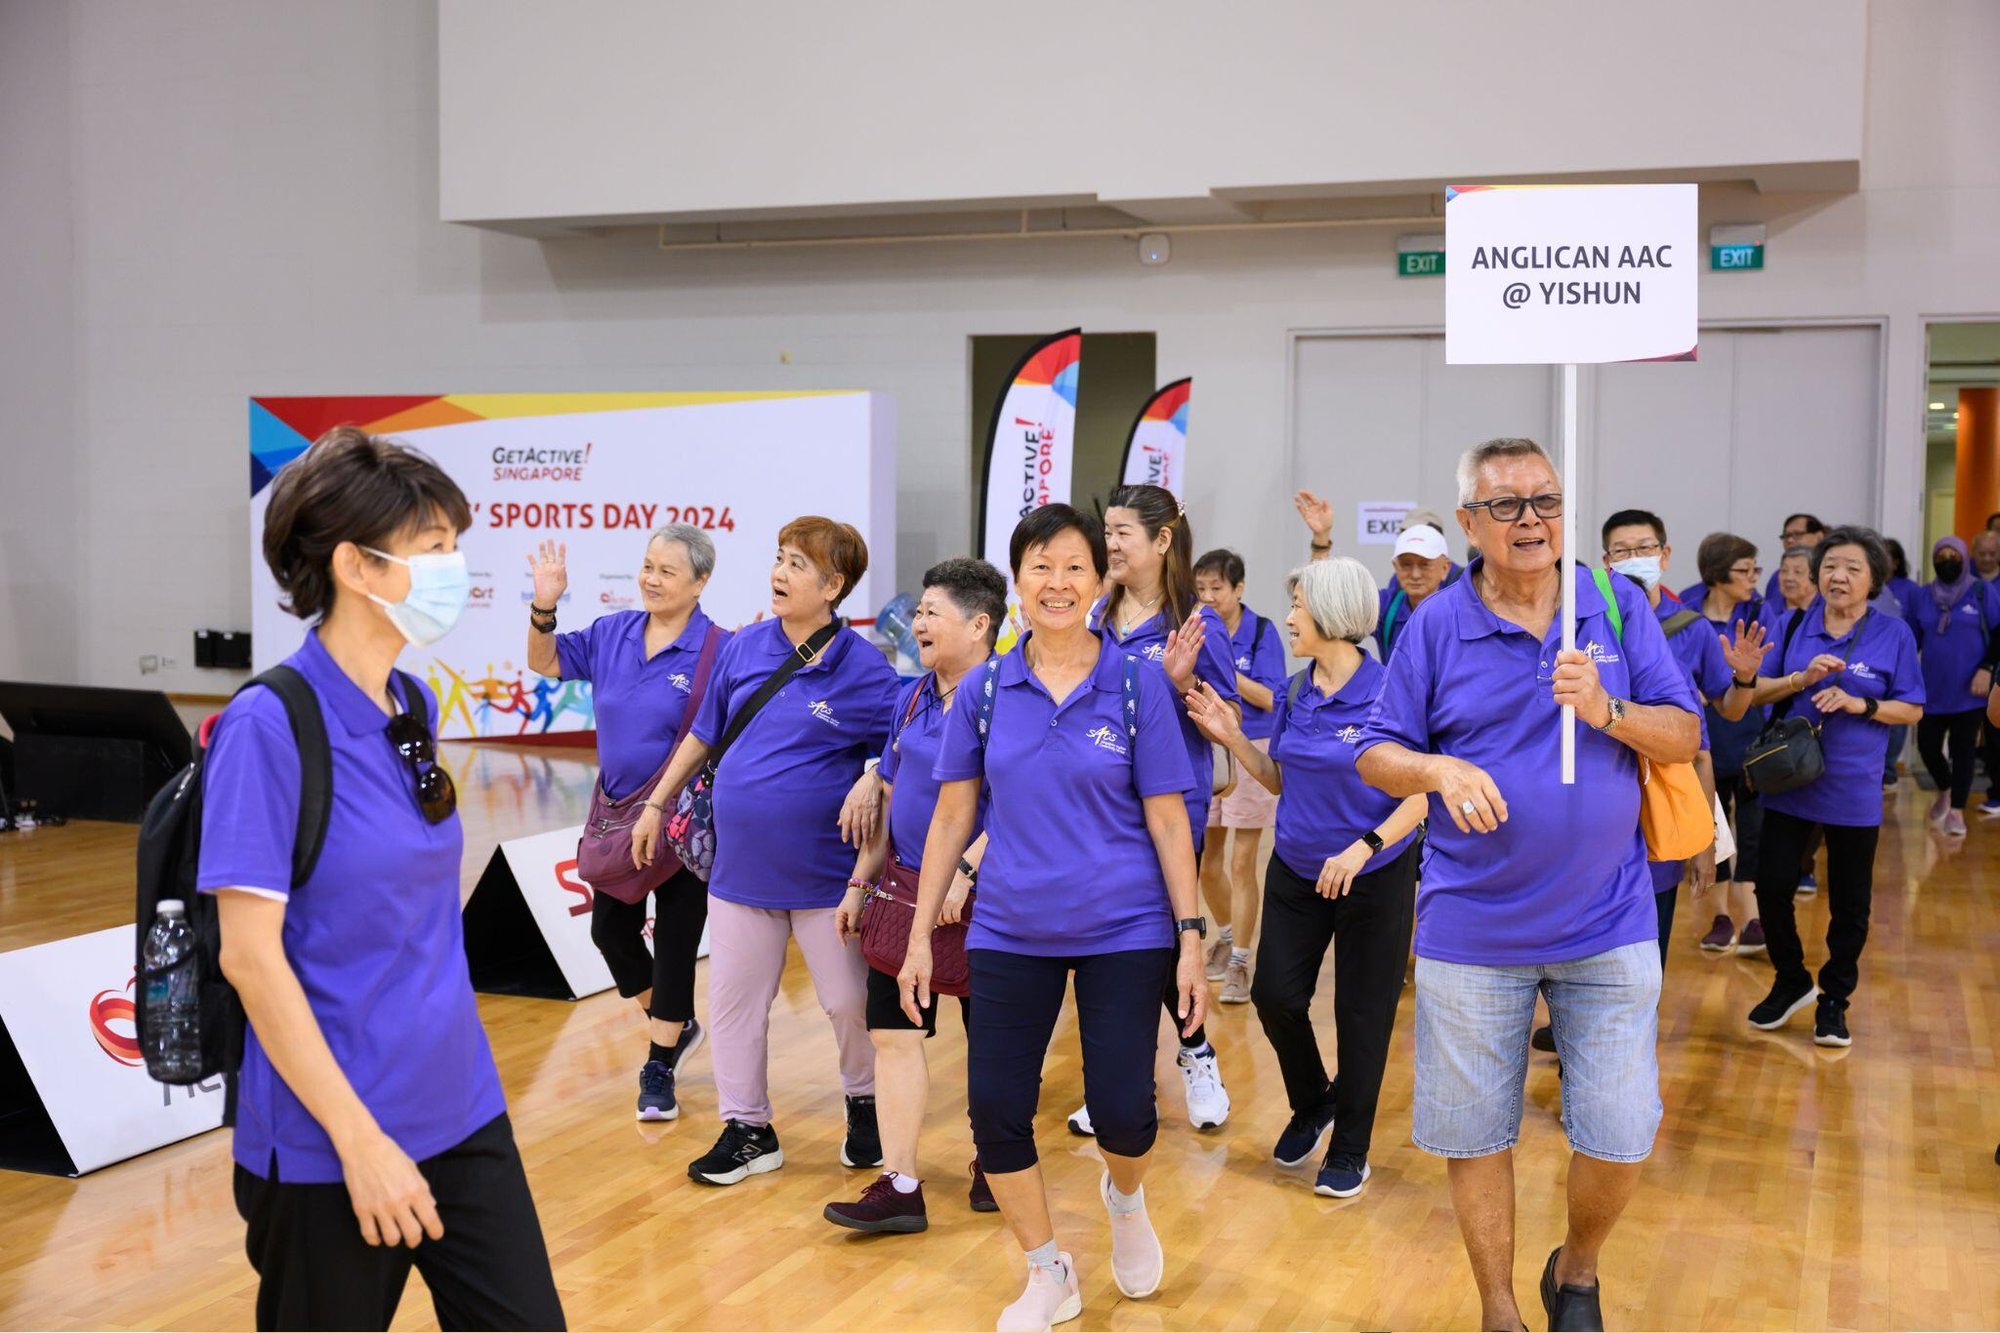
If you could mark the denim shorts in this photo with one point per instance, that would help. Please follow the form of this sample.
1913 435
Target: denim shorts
1473 1025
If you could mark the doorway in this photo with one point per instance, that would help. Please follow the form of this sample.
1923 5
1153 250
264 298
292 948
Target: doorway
1961 431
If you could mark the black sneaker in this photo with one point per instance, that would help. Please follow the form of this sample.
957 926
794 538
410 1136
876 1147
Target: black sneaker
1777 1008
1830 1024
656 1092
1301 1137
1543 1039
863 1145
743 1150
1569 1307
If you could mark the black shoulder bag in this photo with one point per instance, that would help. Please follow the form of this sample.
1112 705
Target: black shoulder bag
1786 754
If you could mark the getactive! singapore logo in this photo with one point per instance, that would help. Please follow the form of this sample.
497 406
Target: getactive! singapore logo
112 1006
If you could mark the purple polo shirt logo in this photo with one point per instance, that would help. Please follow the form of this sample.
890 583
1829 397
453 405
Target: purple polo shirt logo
1243 664
1153 652
823 710
1106 738
679 680
1348 735
1861 670
1599 653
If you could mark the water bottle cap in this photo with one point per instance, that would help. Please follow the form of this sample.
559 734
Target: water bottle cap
172 907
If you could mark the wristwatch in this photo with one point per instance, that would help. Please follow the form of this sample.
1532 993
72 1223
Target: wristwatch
1868 707
1615 707
1373 839
969 870
1197 924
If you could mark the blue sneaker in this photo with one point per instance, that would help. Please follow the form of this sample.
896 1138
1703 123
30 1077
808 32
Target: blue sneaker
656 1092
1808 885
1991 805
1301 1137
1342 1175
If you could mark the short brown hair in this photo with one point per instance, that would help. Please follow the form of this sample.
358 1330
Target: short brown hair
837 548
1718 552
350 486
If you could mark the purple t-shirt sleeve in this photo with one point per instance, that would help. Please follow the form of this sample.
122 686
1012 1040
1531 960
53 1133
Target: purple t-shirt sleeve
1401 714
1656 677
576 652
1215 663
1906 676
882 700
1712 672
250 800
961 749
1159 754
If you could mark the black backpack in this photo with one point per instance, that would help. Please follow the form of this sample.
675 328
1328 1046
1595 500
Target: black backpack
170 858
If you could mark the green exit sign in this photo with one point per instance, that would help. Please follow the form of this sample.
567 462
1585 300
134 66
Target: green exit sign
1420 264
1734 257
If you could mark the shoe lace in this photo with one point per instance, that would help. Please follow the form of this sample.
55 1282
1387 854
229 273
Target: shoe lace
1202 1075
880 1190
655 1078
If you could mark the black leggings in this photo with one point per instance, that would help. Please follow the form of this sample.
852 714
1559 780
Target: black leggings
1016 999
491 1269
1850 889
1369 930
619 929
1958 735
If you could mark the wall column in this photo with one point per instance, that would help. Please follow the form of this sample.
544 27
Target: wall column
1978 460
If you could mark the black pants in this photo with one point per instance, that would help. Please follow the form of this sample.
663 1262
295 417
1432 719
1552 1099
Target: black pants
1171 998
885 1008
1369 930
491 1269
1747 818
1016 999
1850 887
1955 735
1663 907
680 910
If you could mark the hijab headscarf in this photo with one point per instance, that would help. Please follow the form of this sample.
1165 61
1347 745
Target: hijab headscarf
1946 595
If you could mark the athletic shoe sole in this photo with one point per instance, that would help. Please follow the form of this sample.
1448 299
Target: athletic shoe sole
1329 1192
1081 1128
1104 1197
1829 1039
851 1164
1071 1307
1723 947
756 1166
887 1226
1750 950
656 1114
1811 994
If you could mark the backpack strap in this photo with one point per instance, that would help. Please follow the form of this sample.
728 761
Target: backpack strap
1399 601
1679 621
1603 579
302 709
1298 684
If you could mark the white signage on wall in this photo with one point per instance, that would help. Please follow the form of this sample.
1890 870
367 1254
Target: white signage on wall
1380 522
68 1008
1549 274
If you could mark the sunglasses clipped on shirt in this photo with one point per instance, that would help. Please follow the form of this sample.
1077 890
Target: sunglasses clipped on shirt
437 796
1509 508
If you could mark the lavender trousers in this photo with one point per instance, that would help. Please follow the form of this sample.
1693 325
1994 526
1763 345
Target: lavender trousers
746 960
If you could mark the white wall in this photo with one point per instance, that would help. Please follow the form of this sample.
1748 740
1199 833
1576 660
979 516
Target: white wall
638 107
254 211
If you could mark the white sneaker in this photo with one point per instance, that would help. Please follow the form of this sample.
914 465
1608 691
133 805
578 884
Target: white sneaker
1207 1099
1044 1302
1137 1261
1079 1122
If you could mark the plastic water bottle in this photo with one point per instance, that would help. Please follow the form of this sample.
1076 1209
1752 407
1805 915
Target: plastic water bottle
892 622
172 997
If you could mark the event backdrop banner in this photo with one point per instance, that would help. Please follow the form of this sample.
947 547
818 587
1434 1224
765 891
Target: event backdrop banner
1555 274
1031 441
1156 450
66 1009
598 472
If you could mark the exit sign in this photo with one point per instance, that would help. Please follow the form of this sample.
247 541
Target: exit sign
1734 257
1420 264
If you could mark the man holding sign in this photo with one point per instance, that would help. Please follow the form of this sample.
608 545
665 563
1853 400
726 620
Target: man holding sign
1531 885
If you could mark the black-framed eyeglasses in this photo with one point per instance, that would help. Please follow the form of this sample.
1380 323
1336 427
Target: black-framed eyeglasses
437 795
1745 571
1630 552
1509 508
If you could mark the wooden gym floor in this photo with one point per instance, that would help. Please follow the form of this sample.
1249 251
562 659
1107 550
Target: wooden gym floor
1791 1187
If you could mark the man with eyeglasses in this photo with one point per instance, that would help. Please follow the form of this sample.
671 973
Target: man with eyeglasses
1531 886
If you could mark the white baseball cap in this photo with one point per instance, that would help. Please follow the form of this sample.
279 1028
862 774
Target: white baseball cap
1421 540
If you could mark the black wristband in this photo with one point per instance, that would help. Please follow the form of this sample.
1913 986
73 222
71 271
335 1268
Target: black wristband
969 870
1320 546
1869 707
1749 684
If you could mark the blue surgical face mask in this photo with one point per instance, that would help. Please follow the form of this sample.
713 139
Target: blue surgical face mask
439 585
1645 568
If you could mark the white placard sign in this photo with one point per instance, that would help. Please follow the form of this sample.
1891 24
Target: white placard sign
1554 274
68 1007
1380 522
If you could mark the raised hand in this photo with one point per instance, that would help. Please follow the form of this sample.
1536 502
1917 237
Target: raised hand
550 564
1183 650
1317 513
1745 652
1216 719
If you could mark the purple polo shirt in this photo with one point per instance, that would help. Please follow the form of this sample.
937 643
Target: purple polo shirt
1325 805
1070 867
778 792
1699 653
639 701
1148 643
915 794
1258 645
374 935
1881 664
1565 877
1951 656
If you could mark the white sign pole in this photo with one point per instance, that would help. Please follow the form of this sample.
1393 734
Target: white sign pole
1570 450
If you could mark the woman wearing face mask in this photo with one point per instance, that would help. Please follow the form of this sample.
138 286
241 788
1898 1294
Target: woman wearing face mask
781 864
1344 874
957 619
1089 874
366 1142
1953 622
1152 614
1857 672
642 667
1729 574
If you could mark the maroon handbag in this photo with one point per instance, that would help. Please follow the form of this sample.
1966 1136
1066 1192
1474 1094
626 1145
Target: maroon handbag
887 914
604 852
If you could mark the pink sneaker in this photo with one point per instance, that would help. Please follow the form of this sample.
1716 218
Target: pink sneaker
1137 1261
1751 941
1720 935
1045 1302
1940 806
1954 824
